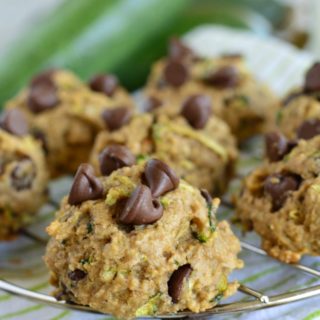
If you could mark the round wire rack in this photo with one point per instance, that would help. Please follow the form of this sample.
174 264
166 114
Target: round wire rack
259 300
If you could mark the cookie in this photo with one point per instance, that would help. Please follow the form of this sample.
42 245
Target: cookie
23 183
299 116
280 200
140 242
201 149
236 96
66 114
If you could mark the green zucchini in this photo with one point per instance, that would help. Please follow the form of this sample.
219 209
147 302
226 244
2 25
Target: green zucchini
108 44
120 36
47 36
87 37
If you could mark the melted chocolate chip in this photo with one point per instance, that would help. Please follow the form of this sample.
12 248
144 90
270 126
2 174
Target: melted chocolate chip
160 177
43 96
86 186
197 110
277 146
175 73
175 283
279 186
77 275
178 50
225 77
140 208
206 195
105 83
151 104
23 174
115 118
309 129
115 157
312 79
14 122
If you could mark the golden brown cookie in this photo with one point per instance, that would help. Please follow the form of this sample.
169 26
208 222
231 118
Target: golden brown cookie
140 242
247 105
204 157
23 175
66 115
281 201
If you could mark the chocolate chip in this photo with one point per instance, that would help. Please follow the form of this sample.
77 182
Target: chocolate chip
14 121
160 177
151 104
77 275
206 195
175 73
312 79
225 77
43 77
42 96
197 109
115 118
105 83
86 186
115 157
276 145
23 174
309 129
175 283
140 208
178 50
278 186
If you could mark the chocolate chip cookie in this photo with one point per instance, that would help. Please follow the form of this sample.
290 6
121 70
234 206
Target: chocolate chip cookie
299 116
66 114
235 96
23 183
280 200
201 149
140 242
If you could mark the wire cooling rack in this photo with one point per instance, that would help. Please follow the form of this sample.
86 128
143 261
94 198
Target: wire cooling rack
258 300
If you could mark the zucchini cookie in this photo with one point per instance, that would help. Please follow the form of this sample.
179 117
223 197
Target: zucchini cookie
245 104
23 183
201 149
281 200
299 117
65 115
140 242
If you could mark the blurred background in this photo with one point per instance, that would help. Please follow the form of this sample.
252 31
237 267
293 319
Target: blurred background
126 36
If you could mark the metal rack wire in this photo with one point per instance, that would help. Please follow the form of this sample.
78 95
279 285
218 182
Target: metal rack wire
259 301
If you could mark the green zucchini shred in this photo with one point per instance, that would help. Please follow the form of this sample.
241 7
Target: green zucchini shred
86 260
279 116
201 237
89 227
211 212
140 158
149 308
217 298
